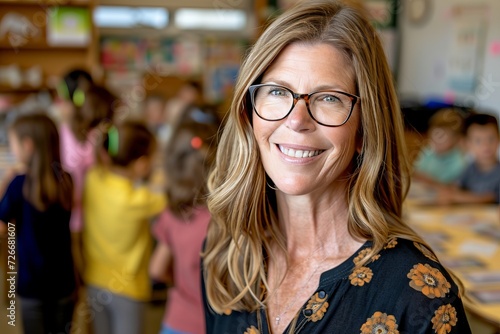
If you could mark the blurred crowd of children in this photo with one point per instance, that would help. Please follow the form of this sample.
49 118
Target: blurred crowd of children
89 227
85 214
460 160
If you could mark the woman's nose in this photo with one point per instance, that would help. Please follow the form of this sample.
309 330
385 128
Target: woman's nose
299 119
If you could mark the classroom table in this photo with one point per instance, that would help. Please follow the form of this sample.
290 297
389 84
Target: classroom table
466 239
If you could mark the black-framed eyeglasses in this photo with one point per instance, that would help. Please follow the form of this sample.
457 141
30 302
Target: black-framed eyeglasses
273 102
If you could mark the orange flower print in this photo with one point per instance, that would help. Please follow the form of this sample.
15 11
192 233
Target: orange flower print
428 254
380 323
361 276
361 254
252 330
316 306
428 280
444 319
391 243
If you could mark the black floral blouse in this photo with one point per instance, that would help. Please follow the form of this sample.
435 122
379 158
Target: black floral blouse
402 290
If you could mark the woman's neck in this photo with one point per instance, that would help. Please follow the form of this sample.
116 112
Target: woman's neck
309 224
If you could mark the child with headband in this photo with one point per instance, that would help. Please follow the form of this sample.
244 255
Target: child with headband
117 242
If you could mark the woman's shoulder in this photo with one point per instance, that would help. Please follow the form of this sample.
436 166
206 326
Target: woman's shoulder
408 262
405 279
405 253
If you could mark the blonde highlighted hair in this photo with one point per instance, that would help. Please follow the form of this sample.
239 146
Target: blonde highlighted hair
244 222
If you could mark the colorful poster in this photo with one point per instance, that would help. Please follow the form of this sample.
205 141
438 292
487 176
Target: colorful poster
123 54
69 26
467 50
223 60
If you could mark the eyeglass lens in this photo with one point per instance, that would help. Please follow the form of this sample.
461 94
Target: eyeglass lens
273 102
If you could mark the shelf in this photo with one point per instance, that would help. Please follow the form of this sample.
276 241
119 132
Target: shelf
20 90
41 47
36 32
43 3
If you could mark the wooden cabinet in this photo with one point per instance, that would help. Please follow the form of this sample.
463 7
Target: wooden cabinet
41 40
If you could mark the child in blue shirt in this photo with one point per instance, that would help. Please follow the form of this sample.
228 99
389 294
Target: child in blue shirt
442 161
36 207
480 182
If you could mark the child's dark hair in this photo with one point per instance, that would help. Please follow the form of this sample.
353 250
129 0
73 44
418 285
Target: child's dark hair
127 142
72 82
46 183
97 106
480 119
188 158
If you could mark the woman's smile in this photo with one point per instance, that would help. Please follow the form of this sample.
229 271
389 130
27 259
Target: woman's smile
299 153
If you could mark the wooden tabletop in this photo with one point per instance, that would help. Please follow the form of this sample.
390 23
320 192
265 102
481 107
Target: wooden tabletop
466 239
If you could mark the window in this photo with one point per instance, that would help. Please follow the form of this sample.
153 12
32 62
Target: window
210 19
130 17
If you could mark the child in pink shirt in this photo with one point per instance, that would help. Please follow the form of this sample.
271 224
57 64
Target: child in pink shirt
78 137
181 229
85 110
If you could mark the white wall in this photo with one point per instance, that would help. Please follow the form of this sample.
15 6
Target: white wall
425 51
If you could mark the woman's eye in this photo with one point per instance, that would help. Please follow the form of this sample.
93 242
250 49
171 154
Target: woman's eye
329 98
277 91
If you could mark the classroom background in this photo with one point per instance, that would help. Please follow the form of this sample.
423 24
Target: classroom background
442 53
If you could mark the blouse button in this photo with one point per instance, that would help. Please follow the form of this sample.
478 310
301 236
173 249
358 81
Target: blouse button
308 312
321 294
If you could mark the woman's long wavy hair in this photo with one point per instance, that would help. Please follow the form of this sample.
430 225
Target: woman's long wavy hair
244 222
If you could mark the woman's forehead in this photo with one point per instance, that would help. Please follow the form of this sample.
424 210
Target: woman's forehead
313 65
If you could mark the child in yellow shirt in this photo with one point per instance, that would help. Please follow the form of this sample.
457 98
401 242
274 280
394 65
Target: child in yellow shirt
116 237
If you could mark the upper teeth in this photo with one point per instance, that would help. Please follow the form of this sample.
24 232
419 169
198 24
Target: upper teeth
298 153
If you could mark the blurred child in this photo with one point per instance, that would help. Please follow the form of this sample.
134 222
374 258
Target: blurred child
38 202
188 95
480 182
154 112
70 92
116 234
79 134
181 228
442 160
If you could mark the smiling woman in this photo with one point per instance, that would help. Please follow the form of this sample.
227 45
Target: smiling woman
307 233
298 134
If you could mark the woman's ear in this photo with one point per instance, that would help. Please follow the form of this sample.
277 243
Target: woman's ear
359 141
359 146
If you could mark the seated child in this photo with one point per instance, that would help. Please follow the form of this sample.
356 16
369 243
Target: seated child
442 160
480 182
